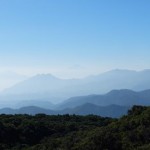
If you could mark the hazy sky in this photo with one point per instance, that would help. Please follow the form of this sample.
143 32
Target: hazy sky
71 38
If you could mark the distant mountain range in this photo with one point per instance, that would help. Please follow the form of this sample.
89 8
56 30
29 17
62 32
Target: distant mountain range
50 88
118 97
113 104
86 109
122 97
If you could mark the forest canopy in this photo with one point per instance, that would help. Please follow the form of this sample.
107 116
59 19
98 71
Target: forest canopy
73 132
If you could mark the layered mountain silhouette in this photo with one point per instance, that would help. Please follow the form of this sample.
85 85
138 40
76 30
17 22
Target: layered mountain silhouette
86 109
118 97
122 97
48 87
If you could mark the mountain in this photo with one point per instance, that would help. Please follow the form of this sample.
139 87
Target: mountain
38 103
42 86
19 101
105 111
9 78
32 110
118 97
46 86
108 111
41 83
122 97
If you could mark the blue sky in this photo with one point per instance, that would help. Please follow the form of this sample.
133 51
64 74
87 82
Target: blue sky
74 38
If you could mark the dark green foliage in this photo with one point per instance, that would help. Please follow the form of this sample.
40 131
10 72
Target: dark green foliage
72 132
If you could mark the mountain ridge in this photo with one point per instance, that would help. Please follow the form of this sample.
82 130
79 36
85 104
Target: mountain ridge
122 97
114 111
48 86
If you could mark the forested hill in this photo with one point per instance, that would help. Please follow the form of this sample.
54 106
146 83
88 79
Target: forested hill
73 132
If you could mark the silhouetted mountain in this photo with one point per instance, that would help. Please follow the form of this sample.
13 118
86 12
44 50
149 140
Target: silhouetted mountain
18 102
34 110
117 97
38 103
108 111
105 111
47 86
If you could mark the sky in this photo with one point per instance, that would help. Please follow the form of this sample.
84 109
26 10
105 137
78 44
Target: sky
74 38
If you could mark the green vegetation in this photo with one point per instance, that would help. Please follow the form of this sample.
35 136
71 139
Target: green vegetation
72 132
